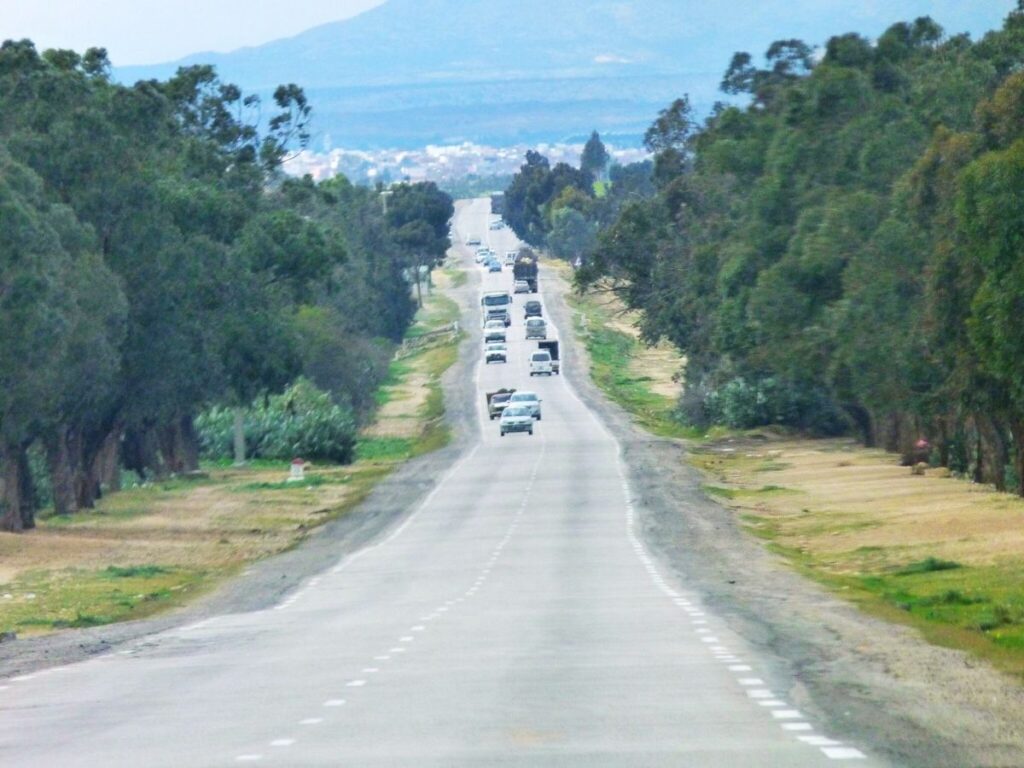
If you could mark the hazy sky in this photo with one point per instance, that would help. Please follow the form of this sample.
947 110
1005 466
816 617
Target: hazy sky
155 31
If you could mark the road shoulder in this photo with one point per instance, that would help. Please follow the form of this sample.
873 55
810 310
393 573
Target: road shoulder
941 708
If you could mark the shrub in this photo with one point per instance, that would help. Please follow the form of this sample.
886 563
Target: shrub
301 422
743 403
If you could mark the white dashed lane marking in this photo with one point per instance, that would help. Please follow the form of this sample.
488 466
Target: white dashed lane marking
843 753
282 742
334 702
311 721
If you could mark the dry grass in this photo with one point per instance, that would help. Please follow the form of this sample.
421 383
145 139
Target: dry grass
847 499
150 548
660 364
940 553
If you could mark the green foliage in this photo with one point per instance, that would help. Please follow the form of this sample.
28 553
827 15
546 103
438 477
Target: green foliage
846 249
928 565
302 422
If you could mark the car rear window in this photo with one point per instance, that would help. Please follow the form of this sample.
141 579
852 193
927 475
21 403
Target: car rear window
541 357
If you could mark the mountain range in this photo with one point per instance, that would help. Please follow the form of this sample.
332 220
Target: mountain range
412 72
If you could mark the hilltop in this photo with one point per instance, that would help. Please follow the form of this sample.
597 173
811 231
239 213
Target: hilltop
410 72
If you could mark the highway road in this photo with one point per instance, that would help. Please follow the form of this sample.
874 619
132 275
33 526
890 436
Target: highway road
515 618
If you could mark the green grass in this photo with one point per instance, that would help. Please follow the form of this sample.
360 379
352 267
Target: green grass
438 312
384 449
611 353
310 481
48 600
976 609
458 277
746 493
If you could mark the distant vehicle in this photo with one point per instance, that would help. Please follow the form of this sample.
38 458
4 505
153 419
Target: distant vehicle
536 328
496 225
532 308
528 400
551 347
498 313
510 258
496 300
473 240
540 364
494 332
495 353
520 286
494 266
516 419
481 256
497 401
525 268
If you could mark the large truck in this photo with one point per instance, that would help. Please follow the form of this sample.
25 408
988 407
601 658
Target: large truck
497 401
525 268
495 305
551 347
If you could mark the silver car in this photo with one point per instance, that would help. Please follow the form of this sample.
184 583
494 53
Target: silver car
528 400
536 328
516 419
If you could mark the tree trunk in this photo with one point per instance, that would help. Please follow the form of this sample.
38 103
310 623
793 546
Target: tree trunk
189 444
106 465
998 454
862 419
1017 430
239 437
10 491
29 501
62 471
142 453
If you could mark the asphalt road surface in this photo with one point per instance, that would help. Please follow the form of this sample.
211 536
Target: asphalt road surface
515 619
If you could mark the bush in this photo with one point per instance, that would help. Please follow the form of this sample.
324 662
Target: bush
744 404
301 422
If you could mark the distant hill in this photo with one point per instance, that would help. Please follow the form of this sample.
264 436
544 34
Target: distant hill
411 72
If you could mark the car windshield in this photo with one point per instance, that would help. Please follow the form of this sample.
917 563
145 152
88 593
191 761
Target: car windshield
496 301
542 357
524 397
535 321
516 411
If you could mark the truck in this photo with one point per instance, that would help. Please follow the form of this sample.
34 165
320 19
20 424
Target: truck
525 268
496 402
495 300
551 347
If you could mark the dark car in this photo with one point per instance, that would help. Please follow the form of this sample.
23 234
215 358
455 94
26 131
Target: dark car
532 309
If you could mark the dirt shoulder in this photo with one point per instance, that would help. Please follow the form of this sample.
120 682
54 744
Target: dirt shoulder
875 683
253 579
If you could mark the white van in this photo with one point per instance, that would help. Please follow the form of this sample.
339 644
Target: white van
540 364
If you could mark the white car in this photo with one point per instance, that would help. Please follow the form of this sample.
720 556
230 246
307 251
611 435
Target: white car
528 400
516 419
540 364
494 353
473 240
520 286
494 332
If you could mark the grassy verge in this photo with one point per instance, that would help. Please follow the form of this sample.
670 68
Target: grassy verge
940 554
156 546
639 378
